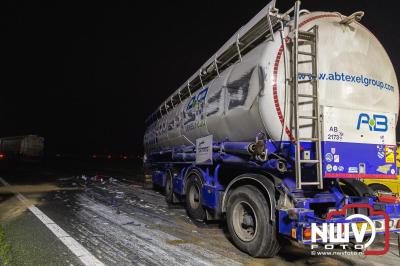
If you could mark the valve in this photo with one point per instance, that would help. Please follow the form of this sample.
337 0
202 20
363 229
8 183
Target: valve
258 148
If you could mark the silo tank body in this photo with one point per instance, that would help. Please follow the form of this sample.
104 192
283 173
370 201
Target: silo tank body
251 96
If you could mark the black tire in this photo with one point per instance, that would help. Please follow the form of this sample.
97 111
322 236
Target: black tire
194 198
169 194
379 187
258 237
353 187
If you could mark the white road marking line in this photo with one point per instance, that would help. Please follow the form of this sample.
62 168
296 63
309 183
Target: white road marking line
82 253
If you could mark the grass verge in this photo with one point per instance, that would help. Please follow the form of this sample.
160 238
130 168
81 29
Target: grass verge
5 249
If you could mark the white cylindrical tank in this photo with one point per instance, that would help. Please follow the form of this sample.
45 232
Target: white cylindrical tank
354 69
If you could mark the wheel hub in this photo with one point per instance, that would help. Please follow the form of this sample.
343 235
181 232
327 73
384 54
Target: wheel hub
244 221
194 197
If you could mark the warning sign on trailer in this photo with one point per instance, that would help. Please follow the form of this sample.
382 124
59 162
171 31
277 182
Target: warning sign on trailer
358 144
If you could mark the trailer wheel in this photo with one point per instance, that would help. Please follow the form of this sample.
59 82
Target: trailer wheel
249 224
169 194
194 198
356 188
379 187
352 187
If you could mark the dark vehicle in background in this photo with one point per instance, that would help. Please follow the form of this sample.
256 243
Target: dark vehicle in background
21 148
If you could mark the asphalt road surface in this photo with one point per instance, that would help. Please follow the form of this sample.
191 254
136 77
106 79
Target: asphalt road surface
64 218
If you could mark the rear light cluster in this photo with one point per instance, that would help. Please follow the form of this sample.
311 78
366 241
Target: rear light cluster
307 234
109 156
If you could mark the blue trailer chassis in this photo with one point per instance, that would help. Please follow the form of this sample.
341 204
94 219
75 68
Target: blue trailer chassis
291 222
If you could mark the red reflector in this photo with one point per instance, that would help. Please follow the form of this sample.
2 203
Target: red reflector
388 199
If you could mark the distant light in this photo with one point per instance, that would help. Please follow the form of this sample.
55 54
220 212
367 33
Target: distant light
58 155
109 156
125 157
2 156
94 156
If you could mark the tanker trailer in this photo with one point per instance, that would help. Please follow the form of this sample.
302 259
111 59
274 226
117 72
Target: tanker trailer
273 132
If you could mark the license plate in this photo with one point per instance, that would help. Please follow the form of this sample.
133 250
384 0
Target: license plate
359 226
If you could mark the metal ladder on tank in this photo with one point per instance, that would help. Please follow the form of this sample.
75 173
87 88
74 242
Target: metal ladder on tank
302 39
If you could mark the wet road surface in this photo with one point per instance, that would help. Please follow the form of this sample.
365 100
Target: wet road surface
121 223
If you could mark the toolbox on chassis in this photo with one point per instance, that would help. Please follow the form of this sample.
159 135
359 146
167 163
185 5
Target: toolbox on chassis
274 131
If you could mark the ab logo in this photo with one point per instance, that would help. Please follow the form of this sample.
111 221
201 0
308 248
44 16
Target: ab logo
375 123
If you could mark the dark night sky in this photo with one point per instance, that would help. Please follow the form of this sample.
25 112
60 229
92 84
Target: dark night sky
85 76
